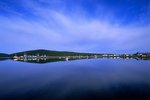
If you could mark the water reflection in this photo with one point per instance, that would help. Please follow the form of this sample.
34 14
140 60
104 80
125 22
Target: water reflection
42 60
90 79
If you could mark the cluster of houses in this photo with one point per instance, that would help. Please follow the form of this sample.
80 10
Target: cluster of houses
26 57
116 55
30 57
143 55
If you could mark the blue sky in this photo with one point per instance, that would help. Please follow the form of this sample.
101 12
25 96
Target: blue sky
102 26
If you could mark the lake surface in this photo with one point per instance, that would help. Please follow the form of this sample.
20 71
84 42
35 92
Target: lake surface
87 79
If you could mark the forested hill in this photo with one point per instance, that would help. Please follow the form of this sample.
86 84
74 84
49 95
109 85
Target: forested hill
4 55
51 53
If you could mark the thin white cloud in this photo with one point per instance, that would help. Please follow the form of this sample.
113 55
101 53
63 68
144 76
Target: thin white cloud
55 29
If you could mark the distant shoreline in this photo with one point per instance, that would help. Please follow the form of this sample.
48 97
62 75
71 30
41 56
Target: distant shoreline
44 56
51 53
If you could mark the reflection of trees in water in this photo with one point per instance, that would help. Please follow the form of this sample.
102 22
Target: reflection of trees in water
69 58
3 58
57 59
47 60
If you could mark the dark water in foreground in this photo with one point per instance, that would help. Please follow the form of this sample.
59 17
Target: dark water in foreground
91 79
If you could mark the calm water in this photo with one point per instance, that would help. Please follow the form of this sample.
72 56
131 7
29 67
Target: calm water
91 79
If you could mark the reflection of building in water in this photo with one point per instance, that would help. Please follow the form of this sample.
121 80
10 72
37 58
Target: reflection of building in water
95 56
38 60
67 58
87 57
25 57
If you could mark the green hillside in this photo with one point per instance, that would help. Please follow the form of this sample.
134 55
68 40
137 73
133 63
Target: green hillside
4 55
50 53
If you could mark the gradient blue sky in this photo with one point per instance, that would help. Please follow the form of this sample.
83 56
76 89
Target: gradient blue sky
103 26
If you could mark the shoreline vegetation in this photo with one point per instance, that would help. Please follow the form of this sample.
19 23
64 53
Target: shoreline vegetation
43 56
